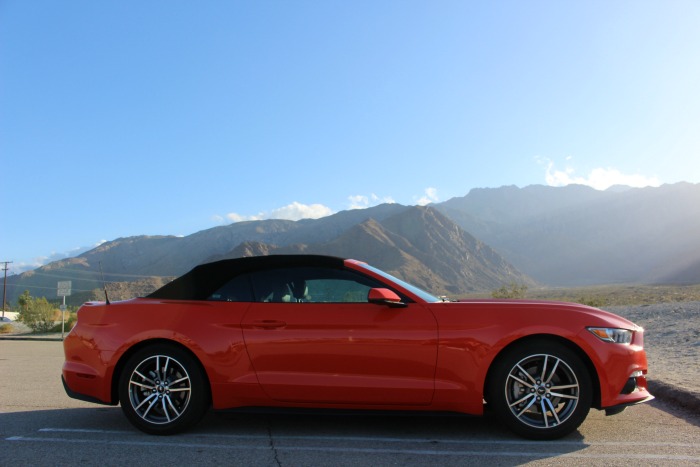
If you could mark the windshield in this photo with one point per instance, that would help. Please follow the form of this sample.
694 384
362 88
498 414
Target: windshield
411 288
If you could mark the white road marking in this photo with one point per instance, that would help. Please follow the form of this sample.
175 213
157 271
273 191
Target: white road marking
396 440
423 452
368 450
85 430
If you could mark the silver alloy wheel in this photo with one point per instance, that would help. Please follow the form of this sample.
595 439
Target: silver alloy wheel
159 389
542 391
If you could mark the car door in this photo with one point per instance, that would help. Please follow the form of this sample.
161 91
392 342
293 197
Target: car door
313 337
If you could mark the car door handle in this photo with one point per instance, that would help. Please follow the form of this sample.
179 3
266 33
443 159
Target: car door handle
268 324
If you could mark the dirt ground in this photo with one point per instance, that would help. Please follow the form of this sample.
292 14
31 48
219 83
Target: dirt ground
671 340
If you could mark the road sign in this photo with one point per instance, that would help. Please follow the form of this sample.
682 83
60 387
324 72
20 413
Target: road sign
64 288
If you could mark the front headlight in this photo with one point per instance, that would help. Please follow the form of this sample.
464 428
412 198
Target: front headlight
619 336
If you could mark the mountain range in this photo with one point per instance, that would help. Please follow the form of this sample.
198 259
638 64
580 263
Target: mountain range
564 236
575 235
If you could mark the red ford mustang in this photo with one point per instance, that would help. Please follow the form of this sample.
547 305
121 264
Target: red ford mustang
310 331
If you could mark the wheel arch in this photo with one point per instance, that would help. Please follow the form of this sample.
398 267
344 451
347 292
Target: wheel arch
590 367
119 367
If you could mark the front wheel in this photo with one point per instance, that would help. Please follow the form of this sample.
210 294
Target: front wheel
162 390
540 390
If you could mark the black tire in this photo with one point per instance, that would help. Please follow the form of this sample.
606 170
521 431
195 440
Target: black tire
162 390
540 390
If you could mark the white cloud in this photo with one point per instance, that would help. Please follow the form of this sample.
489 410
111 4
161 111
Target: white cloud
27 265
430 196
297 211
599 178
358 202
37 262
293 212
364 202
233 217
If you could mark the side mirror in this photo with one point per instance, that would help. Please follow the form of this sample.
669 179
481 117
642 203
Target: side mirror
385 297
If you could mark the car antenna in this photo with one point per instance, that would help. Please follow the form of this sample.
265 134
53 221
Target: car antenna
104 284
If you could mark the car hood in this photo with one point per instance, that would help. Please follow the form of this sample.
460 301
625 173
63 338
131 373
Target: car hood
596 314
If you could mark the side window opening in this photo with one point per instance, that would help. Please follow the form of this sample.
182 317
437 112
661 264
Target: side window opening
237 289
311 285
338 290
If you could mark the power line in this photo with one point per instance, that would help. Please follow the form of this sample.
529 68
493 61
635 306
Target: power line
36 287
4 285
84 277
90 275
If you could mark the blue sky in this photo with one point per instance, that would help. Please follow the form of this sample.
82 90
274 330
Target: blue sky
121 118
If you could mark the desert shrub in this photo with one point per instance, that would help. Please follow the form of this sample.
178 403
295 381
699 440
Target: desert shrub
595 302
71 319
38 314
6 328
512 290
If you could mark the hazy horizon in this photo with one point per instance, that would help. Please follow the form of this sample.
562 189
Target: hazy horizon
124 118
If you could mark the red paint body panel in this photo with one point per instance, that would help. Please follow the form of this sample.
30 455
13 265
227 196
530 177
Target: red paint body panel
349 353
210 330
425 356
473 333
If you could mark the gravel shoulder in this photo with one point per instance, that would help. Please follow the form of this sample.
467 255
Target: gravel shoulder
672 343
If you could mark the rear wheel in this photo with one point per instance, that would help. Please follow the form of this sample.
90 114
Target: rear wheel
541 390
162 390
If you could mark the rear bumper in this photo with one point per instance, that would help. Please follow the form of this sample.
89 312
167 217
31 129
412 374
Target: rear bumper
87 371
84 382
81 397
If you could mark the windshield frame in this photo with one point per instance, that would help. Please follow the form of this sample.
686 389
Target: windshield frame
417 291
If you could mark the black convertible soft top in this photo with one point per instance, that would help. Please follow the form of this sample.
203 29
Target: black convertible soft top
205 279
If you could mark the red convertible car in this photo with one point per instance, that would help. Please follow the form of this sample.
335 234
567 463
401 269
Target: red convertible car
308 331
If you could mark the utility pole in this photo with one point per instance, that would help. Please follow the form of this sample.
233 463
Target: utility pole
4 285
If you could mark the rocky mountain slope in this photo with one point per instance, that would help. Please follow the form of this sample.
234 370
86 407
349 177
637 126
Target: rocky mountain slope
565 236
576 235
418 244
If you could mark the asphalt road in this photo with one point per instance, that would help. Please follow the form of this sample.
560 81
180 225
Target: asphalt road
40 425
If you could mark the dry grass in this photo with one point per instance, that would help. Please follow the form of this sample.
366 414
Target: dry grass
613 295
